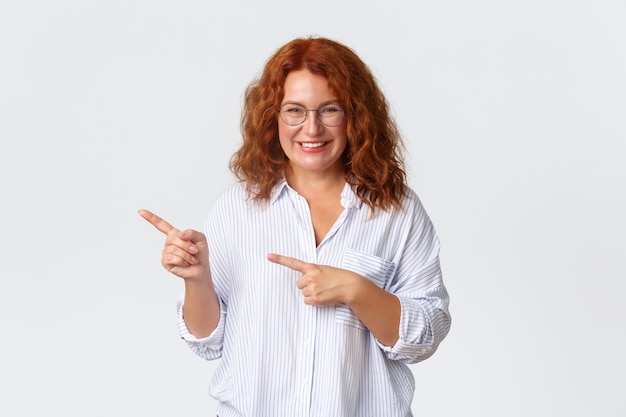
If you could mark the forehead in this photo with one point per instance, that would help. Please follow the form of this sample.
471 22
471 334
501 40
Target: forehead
304 86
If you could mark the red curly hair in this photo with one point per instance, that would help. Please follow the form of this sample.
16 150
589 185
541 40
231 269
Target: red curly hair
372 160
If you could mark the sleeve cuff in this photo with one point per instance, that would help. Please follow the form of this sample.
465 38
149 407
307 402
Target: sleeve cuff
415 340
215 338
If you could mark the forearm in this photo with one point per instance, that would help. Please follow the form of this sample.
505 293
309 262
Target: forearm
377 309
201 309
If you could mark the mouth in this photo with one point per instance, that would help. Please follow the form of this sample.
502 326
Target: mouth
311 145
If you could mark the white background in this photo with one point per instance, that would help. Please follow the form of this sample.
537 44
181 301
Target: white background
514 116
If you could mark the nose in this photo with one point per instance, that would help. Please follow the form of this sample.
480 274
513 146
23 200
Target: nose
312 125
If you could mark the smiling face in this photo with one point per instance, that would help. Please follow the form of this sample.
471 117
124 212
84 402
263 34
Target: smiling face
311 147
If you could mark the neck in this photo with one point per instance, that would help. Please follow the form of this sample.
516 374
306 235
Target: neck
311 184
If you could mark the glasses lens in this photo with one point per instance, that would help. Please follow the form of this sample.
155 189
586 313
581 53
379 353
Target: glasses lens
331 115
293 114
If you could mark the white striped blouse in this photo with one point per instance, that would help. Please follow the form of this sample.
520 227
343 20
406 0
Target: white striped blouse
283 358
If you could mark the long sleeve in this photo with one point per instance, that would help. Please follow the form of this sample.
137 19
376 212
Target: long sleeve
418 283
209 347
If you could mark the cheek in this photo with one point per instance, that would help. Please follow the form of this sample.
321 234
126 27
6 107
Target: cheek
285 132
342 136
284 137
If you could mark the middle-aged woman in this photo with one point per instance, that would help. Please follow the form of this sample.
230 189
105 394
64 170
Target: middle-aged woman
317 278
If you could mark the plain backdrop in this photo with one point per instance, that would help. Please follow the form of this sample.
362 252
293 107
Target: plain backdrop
514 117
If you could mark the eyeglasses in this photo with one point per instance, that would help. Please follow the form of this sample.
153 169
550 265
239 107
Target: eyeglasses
330 115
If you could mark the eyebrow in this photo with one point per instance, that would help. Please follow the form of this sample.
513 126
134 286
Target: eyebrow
325 103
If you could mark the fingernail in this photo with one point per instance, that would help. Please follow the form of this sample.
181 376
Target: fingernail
193 249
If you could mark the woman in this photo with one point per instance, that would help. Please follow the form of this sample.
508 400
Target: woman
317 278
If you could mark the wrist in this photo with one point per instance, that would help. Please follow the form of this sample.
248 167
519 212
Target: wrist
353 286
198 284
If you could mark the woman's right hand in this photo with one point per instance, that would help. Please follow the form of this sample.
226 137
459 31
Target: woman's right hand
185 253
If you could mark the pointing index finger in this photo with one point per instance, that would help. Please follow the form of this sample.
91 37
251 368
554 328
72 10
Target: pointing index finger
292 263
156 221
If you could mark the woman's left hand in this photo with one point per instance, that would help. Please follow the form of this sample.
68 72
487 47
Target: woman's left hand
324 285
321 285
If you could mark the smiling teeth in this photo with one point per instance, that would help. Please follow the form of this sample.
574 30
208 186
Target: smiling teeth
312 145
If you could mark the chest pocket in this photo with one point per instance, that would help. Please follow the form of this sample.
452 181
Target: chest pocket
377 270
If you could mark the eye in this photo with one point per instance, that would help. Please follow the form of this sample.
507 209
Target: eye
330 109
293 109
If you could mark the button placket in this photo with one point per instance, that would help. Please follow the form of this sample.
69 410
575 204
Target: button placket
308 314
